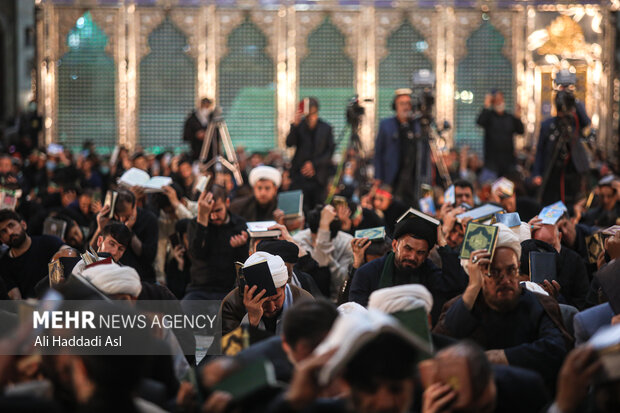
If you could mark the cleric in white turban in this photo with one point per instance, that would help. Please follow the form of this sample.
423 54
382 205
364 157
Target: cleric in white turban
116 281
251 305
262 203
401 298
514 325
268 173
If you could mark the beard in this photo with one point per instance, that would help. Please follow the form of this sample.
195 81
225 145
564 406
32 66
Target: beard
404 265
17 240
502 304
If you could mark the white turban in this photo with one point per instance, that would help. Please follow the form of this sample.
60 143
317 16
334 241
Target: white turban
508 239
114 279
277 268
350 307
265 172
401 298
522 231
351 331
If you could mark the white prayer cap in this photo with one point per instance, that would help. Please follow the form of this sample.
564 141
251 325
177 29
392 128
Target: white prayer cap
508 239
401 298
352 331
351 306
277 268
114 279
265 172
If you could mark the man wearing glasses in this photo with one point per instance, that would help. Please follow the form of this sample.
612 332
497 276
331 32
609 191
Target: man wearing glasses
515 326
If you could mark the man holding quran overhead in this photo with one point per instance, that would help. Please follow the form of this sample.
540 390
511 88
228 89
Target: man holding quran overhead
414 236
515 326
265 296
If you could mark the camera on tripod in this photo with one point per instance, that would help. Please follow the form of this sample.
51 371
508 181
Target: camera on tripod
423 96
354 111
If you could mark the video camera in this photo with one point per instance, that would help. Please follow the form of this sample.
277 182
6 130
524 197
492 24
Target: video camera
565 84
354 111
423 96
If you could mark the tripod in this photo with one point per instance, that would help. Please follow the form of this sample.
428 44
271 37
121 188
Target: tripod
218 125
431 134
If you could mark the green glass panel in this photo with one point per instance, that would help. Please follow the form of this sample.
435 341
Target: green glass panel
326 73
406 55
483 69
167 85
86 88
247 89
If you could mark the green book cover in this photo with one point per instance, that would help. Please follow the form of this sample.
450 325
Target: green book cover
377 233
253 377
479 237
291 203
416 321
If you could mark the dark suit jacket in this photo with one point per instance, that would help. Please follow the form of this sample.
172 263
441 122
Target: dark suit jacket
387 151
531 335
587 322
546 145
318 150
193 125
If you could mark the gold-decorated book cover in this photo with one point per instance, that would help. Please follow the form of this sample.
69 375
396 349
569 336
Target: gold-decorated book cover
595 246
479 237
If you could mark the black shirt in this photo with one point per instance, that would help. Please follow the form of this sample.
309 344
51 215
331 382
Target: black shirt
147 230
498 139
213 259
26 270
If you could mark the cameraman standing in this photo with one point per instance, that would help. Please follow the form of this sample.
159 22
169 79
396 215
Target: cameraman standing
402 158
499 129
561 160
314 147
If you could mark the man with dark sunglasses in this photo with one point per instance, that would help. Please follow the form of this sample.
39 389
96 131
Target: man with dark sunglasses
515 326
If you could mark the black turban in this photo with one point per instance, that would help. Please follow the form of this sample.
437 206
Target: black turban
417 228
288 251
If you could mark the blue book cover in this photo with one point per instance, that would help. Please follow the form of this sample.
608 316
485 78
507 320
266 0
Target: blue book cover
510 219
427 205
551 214
449 196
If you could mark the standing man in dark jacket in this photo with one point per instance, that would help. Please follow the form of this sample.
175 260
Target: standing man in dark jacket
499 129
217 240
314 147
571 164
516 327
196 126
402 156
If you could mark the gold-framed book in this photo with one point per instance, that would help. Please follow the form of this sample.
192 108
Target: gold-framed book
479 237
